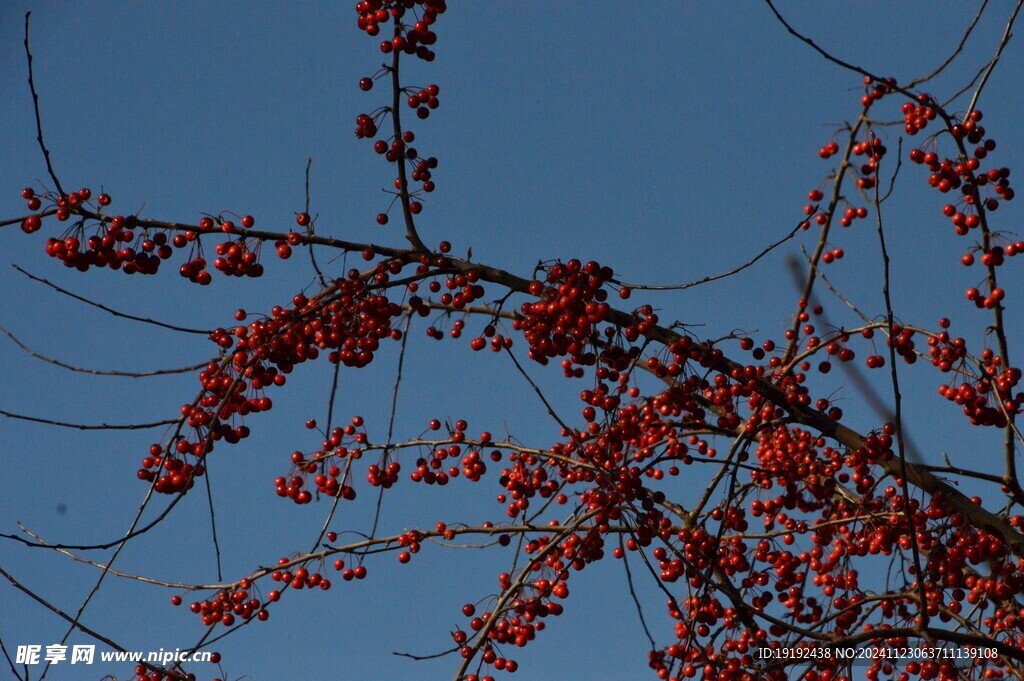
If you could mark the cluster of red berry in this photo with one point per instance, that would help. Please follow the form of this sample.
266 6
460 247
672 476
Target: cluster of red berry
329 478
133 246
177 476
990 399
412 40
226 605
564 321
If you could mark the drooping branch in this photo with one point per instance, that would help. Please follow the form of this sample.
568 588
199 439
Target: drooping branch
715 277
100 372
85 426
124 315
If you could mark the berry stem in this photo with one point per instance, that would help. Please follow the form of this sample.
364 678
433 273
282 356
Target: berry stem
403 191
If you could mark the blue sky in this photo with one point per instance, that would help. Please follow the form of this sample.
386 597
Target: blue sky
671 142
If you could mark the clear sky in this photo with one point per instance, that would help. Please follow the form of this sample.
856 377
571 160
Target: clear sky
671 141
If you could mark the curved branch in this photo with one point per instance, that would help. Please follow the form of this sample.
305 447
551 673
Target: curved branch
723 275
124 315
98 372
101 426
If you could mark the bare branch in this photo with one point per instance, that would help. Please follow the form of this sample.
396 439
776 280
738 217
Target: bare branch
98 372
999 53
35 107
172 327
731 272
956 51
101 426
81 627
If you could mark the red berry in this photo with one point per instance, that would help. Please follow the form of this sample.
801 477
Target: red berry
31 224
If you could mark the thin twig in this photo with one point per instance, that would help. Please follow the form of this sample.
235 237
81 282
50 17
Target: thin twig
959 48
35 106
833 201
632 593
513 588
959 93
132 532
310 230
213 524
898 418
963 472
715 277
117 573
427 657
78 625
172 327
995 60
740 439
99 372
391 419
862 386
10 662
327 430
547 405
83 426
